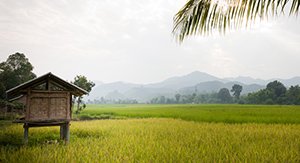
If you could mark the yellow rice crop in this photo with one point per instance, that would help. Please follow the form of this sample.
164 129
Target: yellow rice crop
156 140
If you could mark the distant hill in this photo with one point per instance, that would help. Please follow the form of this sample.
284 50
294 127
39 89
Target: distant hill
185 81
247 80
196 81
144 94
115 95
107 90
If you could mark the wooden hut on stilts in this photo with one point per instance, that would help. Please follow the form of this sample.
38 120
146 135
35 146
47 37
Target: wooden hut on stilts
48 102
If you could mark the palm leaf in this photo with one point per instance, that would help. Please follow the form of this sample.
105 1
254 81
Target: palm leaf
205 16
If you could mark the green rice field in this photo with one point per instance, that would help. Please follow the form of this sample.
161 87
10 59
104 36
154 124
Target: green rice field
163 133
199 113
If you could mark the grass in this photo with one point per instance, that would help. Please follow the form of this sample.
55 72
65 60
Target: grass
156 140
163 133
200 113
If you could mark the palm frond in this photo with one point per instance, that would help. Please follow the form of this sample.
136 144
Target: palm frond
204 16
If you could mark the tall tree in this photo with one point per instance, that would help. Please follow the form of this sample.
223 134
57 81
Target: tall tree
15 70
224 95
236 89
293 95
84 83
204 16
277 91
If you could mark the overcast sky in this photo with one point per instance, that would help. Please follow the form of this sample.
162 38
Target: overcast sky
131 40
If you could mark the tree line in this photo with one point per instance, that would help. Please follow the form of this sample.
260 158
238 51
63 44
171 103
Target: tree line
274 93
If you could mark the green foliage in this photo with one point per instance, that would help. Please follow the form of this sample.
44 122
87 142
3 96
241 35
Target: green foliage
224 96
207 98
275 93
276 90
236 89
82 82
293 95
14 71
154 140
205 16
163 100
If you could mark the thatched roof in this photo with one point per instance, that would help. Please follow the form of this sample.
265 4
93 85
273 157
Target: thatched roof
49 77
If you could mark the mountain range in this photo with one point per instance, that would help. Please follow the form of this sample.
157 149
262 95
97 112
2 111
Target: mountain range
195 82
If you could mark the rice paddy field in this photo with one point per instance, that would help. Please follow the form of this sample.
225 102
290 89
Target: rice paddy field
199 113
163 133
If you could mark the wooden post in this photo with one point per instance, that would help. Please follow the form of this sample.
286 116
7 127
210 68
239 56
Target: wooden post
26 128
67 132
62 132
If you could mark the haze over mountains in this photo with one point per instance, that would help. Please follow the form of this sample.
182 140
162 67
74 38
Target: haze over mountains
195 82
